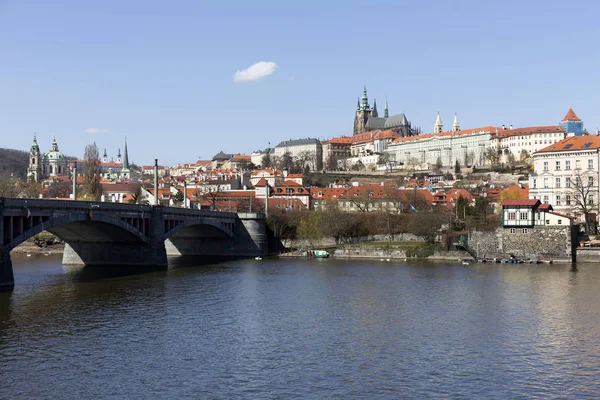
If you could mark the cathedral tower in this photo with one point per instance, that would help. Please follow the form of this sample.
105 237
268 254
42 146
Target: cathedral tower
438 127
363 112
34 171
455 125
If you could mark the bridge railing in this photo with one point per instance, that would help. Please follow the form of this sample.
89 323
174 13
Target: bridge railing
78 205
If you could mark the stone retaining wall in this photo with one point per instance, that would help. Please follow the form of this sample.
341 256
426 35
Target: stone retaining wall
547 242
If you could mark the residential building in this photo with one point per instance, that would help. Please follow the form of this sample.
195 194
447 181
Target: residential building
523 142
467 146
271 175
367 198
308 151
336 151
566 174
257 157
571 123
219 158
530 213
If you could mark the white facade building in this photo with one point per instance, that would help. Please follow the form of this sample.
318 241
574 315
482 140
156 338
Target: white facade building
522 141
467 146
310 148
566 172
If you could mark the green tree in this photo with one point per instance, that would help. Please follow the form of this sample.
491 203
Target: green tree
438 164
309 228
457 167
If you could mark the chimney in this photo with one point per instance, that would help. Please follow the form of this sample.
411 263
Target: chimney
511 126
503 127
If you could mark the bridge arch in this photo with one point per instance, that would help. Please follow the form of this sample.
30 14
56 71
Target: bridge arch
84 227
200 228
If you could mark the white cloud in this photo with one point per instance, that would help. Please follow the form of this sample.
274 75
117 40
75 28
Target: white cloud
255 72
97 130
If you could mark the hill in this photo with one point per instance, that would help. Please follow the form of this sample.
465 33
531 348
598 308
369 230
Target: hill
13 162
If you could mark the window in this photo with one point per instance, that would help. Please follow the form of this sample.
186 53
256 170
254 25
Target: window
590 181
523 215
535 183
558 165
568 182
524 230
585 146
545 183
512 216
567 146
577 164
547 222
557 202
545 165
545 199
591 200
568 199
567 164
557 182
590 164
513 230
559 222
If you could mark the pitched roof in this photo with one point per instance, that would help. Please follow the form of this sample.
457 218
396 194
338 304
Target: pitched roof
341 140
529 131
370 136
528 202
574 143
571 116
298 142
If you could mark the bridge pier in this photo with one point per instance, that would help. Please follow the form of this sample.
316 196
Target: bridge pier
117 254
7 279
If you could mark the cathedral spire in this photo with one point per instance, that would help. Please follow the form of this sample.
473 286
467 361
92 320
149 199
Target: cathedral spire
455 125
365 100
386 114
357 104
438 127
125 158
374 113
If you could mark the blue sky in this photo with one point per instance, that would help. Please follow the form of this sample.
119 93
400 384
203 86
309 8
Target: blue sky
161 73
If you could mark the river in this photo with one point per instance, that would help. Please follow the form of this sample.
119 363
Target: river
306 329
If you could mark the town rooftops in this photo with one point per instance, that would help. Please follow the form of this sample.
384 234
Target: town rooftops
573 143
529 131
367 137
571 116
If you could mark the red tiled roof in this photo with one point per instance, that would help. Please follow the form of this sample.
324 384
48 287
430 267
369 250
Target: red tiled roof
529 131
545 207
367 137
341 140
262 182
571 116
588 142
326 193
528 202
120 187
241 158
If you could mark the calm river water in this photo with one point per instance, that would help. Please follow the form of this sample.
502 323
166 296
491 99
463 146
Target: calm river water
285 329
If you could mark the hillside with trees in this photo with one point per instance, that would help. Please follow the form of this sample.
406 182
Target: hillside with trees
13 162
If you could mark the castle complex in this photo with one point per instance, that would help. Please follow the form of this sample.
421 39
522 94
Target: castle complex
367 119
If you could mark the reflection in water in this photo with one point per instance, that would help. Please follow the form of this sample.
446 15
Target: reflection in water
300 328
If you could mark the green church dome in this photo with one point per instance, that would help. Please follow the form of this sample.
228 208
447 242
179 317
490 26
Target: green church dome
54 155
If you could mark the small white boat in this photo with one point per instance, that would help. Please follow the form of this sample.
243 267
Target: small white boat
258 258
465 263
28 254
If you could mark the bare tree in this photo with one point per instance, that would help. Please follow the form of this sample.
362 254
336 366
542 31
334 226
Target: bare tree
213 196
492 156
59 190
92 188
583 188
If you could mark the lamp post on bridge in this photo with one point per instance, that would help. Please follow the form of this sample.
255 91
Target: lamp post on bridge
156 181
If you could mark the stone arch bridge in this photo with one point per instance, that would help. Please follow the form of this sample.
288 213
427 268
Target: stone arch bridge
98 233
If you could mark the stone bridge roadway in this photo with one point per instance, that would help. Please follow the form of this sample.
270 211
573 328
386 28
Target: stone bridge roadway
98 233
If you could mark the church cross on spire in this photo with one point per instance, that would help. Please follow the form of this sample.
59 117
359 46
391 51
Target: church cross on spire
386 114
